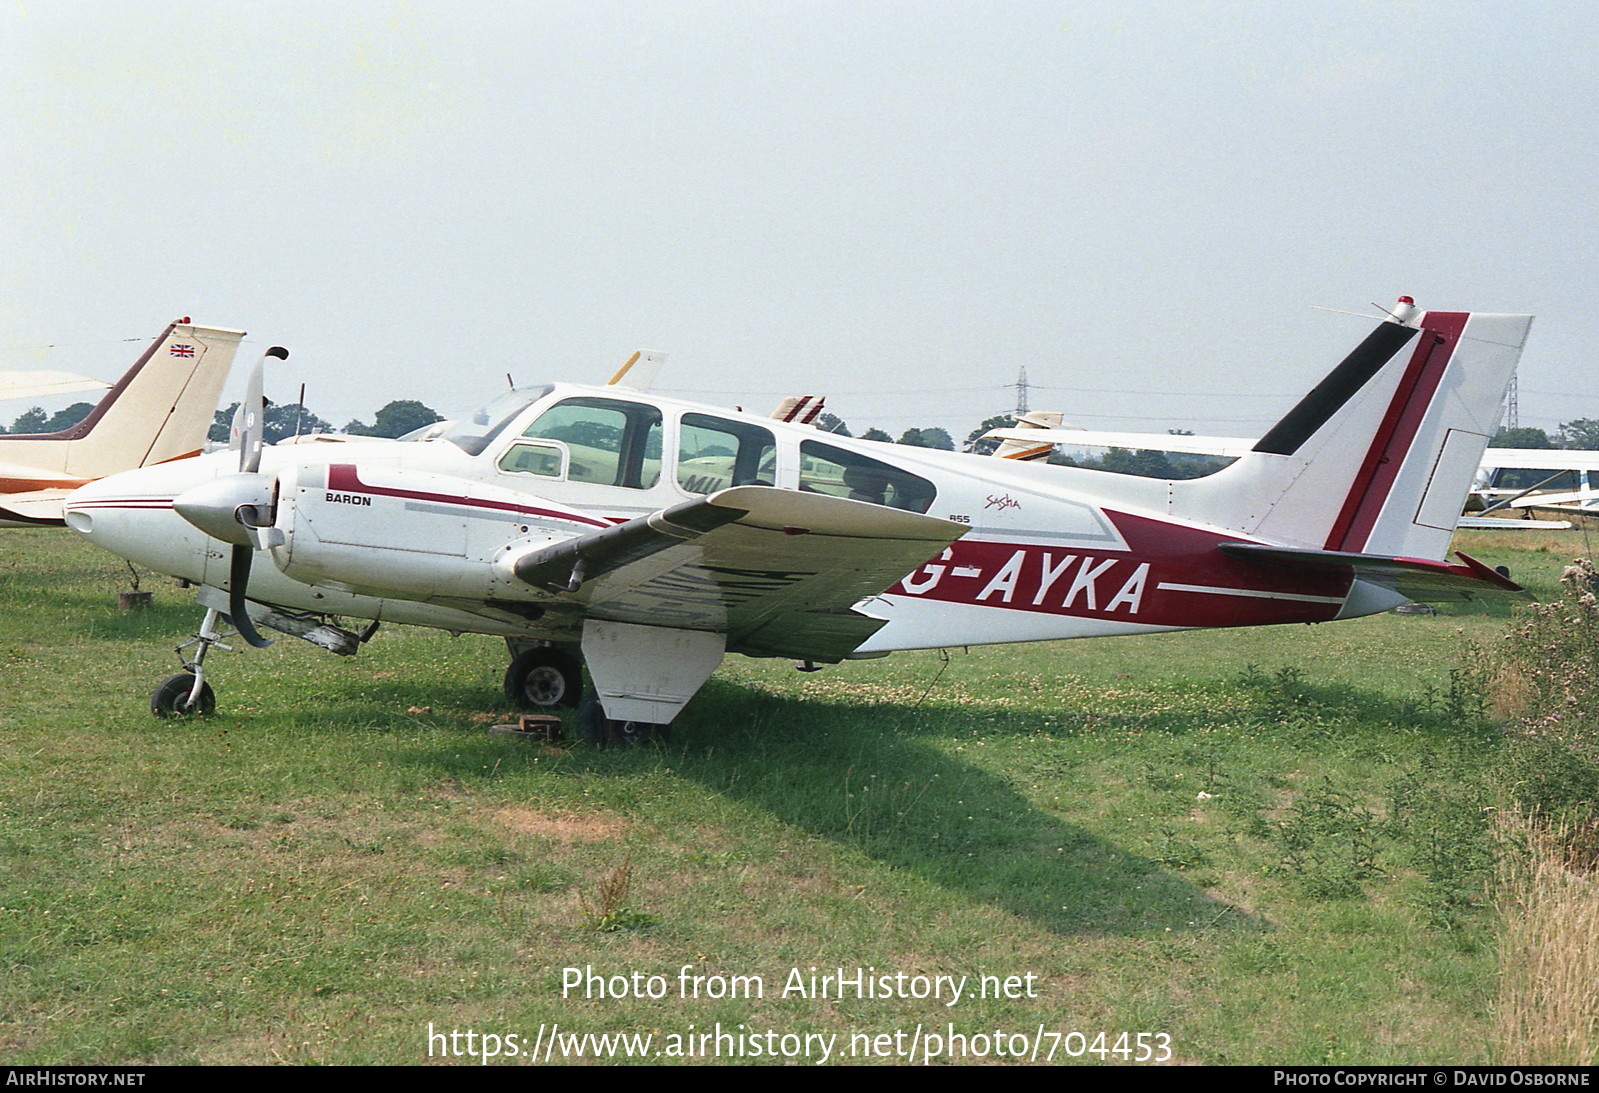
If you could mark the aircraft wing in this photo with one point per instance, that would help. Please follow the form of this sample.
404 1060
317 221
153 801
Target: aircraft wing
1502 523
34 507
1537 459
1416 578
1558 502
777 571
1229 446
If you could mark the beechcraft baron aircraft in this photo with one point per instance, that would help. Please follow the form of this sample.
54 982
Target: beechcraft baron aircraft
647 538
160 410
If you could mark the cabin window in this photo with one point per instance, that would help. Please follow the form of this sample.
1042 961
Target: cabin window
611 442
841 473
547 458
714 453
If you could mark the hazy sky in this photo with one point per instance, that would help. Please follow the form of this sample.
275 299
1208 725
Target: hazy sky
894 204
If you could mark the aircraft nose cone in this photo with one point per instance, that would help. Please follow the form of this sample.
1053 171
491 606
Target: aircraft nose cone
214 506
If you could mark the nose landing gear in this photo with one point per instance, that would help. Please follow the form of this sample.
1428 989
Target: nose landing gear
187 694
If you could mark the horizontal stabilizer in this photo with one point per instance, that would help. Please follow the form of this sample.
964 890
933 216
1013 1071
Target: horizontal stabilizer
18 385
1416 578
44 508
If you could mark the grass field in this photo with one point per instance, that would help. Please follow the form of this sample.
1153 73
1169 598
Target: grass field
1270 846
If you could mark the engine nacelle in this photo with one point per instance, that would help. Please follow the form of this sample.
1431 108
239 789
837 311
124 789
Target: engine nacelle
386 531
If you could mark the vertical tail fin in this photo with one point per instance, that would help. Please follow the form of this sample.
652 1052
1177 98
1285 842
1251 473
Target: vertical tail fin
1378 457
160 409
1012 448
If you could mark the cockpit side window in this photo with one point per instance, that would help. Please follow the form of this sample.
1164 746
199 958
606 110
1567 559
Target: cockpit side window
830 470
612 442
714 453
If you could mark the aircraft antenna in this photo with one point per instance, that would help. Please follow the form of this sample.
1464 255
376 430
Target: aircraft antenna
299 409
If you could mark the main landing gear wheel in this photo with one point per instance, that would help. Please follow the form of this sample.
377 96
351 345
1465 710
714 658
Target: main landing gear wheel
175 698
541 679
601 731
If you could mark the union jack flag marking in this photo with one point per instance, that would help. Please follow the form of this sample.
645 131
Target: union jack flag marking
182 350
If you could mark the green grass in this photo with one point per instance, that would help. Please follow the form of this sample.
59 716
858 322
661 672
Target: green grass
1263 843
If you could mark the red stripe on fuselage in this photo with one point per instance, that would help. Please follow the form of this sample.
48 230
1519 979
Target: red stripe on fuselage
1125 585
121 503
346 478
1366 496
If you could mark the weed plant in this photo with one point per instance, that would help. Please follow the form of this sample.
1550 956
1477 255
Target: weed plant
1541 679
1548 1006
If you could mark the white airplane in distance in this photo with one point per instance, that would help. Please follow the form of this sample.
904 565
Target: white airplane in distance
160 410
1545 467
1035 435
645 538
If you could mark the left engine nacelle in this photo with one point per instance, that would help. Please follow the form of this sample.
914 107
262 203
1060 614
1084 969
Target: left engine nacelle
386 531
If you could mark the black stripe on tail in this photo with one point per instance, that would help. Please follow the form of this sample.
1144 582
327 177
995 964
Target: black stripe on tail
1340 385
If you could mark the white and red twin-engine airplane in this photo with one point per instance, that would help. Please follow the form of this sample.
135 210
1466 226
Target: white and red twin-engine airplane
648 537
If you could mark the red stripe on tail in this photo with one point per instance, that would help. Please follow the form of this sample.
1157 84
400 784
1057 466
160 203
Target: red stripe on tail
1440 335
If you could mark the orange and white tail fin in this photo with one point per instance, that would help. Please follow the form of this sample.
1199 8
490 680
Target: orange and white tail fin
1028 451
801 409
1378 458
159 410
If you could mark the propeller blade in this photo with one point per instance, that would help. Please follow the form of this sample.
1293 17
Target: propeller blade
238 608
249 424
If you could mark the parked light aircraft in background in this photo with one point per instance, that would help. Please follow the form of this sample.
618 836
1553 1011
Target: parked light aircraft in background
1547 480
647 537
1035 435
160 410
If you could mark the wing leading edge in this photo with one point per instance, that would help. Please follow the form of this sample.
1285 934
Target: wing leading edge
777 571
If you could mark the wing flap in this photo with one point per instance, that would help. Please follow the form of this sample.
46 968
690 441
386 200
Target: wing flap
1416 578
777 571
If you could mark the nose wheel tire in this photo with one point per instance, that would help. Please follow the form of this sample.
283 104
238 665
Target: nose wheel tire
543 679
172 698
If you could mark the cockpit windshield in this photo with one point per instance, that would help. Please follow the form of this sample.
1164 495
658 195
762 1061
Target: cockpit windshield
473 432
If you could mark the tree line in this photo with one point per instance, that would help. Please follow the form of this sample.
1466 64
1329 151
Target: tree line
283 420
402 416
